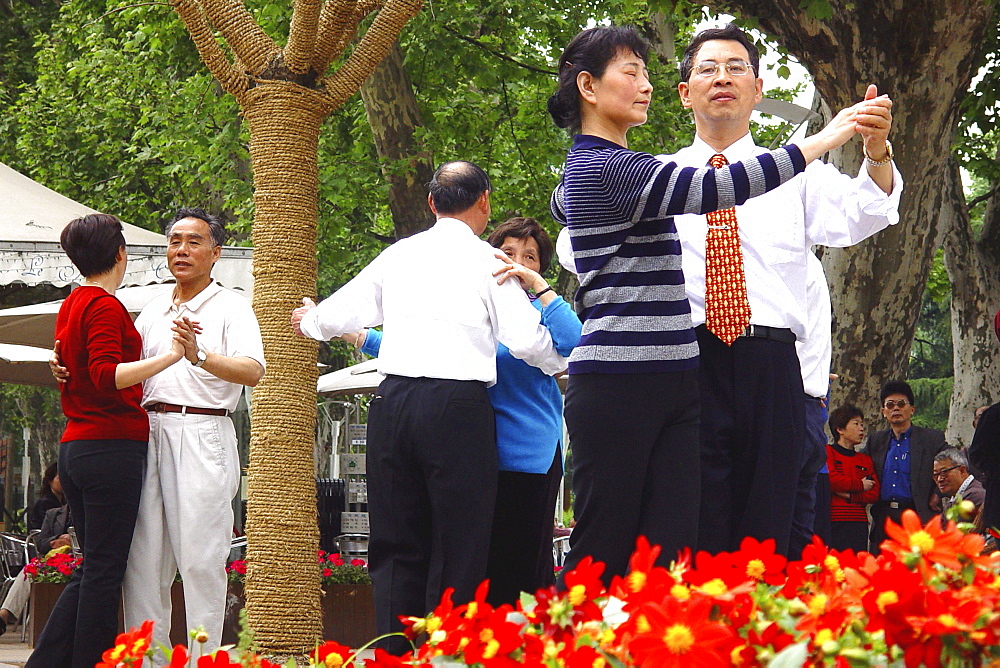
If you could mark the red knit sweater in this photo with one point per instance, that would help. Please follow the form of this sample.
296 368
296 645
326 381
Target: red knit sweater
847 473
96 334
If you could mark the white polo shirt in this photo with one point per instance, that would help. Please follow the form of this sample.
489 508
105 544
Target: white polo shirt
229 327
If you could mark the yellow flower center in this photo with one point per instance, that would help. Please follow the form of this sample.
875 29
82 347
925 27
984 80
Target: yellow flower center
831 562
437 637
824 635
886 598
678 638
818 604
491 649
947 620
433 624
577 595
680 592
714 587
636 581
756 569
922 541
642 624
471 610
736 655
333 660
599 663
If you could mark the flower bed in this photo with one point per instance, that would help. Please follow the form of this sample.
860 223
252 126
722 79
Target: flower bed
333 570
931 598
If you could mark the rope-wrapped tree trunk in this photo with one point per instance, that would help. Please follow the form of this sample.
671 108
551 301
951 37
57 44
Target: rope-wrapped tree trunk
284 122
285 94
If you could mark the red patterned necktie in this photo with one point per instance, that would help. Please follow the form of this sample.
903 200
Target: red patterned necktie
727 309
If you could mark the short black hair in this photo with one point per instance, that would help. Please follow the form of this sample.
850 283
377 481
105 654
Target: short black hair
51 471
522 228
590 51
215 226
730 32
840 416
456 186
92 242
896 387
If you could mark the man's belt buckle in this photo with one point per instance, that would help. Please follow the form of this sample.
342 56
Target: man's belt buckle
895 505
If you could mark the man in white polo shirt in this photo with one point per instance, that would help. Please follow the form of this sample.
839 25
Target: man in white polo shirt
193 471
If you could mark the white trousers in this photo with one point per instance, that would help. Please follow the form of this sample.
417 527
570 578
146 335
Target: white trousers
185 524
17 596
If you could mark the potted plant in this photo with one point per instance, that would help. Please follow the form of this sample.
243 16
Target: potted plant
49 575
348 603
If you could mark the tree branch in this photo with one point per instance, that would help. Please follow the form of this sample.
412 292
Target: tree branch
374 46
498 54
335 28
227 73
302 35
247 39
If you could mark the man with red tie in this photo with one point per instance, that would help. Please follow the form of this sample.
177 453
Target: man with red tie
745 275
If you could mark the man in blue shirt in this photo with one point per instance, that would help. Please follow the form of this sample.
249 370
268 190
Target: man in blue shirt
904 460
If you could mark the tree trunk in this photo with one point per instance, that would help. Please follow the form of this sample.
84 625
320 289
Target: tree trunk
923 55
282 580
394 116
974 269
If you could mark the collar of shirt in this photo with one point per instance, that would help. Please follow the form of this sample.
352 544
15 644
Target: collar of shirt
904 437
581 142
741 149
452 226
193 304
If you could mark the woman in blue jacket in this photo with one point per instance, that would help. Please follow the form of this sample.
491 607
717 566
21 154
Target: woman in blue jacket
528 408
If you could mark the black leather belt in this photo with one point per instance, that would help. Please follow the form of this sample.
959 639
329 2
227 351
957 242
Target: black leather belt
160 407
896 505
774 333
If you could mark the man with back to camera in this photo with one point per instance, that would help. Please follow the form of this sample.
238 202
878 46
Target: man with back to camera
432 460
903 456
755 456
185 518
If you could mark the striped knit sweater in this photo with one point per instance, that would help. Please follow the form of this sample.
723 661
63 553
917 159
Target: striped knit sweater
619 207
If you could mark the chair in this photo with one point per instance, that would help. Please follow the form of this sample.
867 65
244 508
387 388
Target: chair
560 548
13 550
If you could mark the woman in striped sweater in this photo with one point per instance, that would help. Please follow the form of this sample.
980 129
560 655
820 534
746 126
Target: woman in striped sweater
632 403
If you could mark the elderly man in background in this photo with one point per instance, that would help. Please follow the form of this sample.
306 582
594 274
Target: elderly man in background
954 482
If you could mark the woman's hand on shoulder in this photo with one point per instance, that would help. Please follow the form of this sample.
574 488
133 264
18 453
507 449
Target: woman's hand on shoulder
529 280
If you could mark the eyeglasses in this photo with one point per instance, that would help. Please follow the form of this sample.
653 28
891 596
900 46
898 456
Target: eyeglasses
893 404
709 68
937 475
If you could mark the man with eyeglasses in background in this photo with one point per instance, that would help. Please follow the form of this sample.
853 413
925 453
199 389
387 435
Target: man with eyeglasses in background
954 481
904 462
759 469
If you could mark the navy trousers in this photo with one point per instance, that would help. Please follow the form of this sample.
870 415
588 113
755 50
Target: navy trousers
752 436
432 480
102 481
634 438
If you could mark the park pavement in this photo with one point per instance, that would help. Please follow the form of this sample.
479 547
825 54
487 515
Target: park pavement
13 652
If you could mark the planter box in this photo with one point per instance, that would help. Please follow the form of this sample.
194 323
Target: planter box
45 594
348 614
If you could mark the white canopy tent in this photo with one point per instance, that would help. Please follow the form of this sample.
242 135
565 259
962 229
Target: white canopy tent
32 217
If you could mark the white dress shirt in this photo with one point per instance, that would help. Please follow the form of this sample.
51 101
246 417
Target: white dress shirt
229 327
777 231
815 351
442 310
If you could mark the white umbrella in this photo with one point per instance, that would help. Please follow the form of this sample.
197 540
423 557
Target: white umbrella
357 379
25 365
35 324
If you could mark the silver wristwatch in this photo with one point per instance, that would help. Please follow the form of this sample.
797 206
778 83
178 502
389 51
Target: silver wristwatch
202 356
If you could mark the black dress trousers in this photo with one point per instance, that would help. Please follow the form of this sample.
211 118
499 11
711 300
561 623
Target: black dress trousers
432 479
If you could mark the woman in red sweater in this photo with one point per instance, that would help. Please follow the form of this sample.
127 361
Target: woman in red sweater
853 483
103 451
